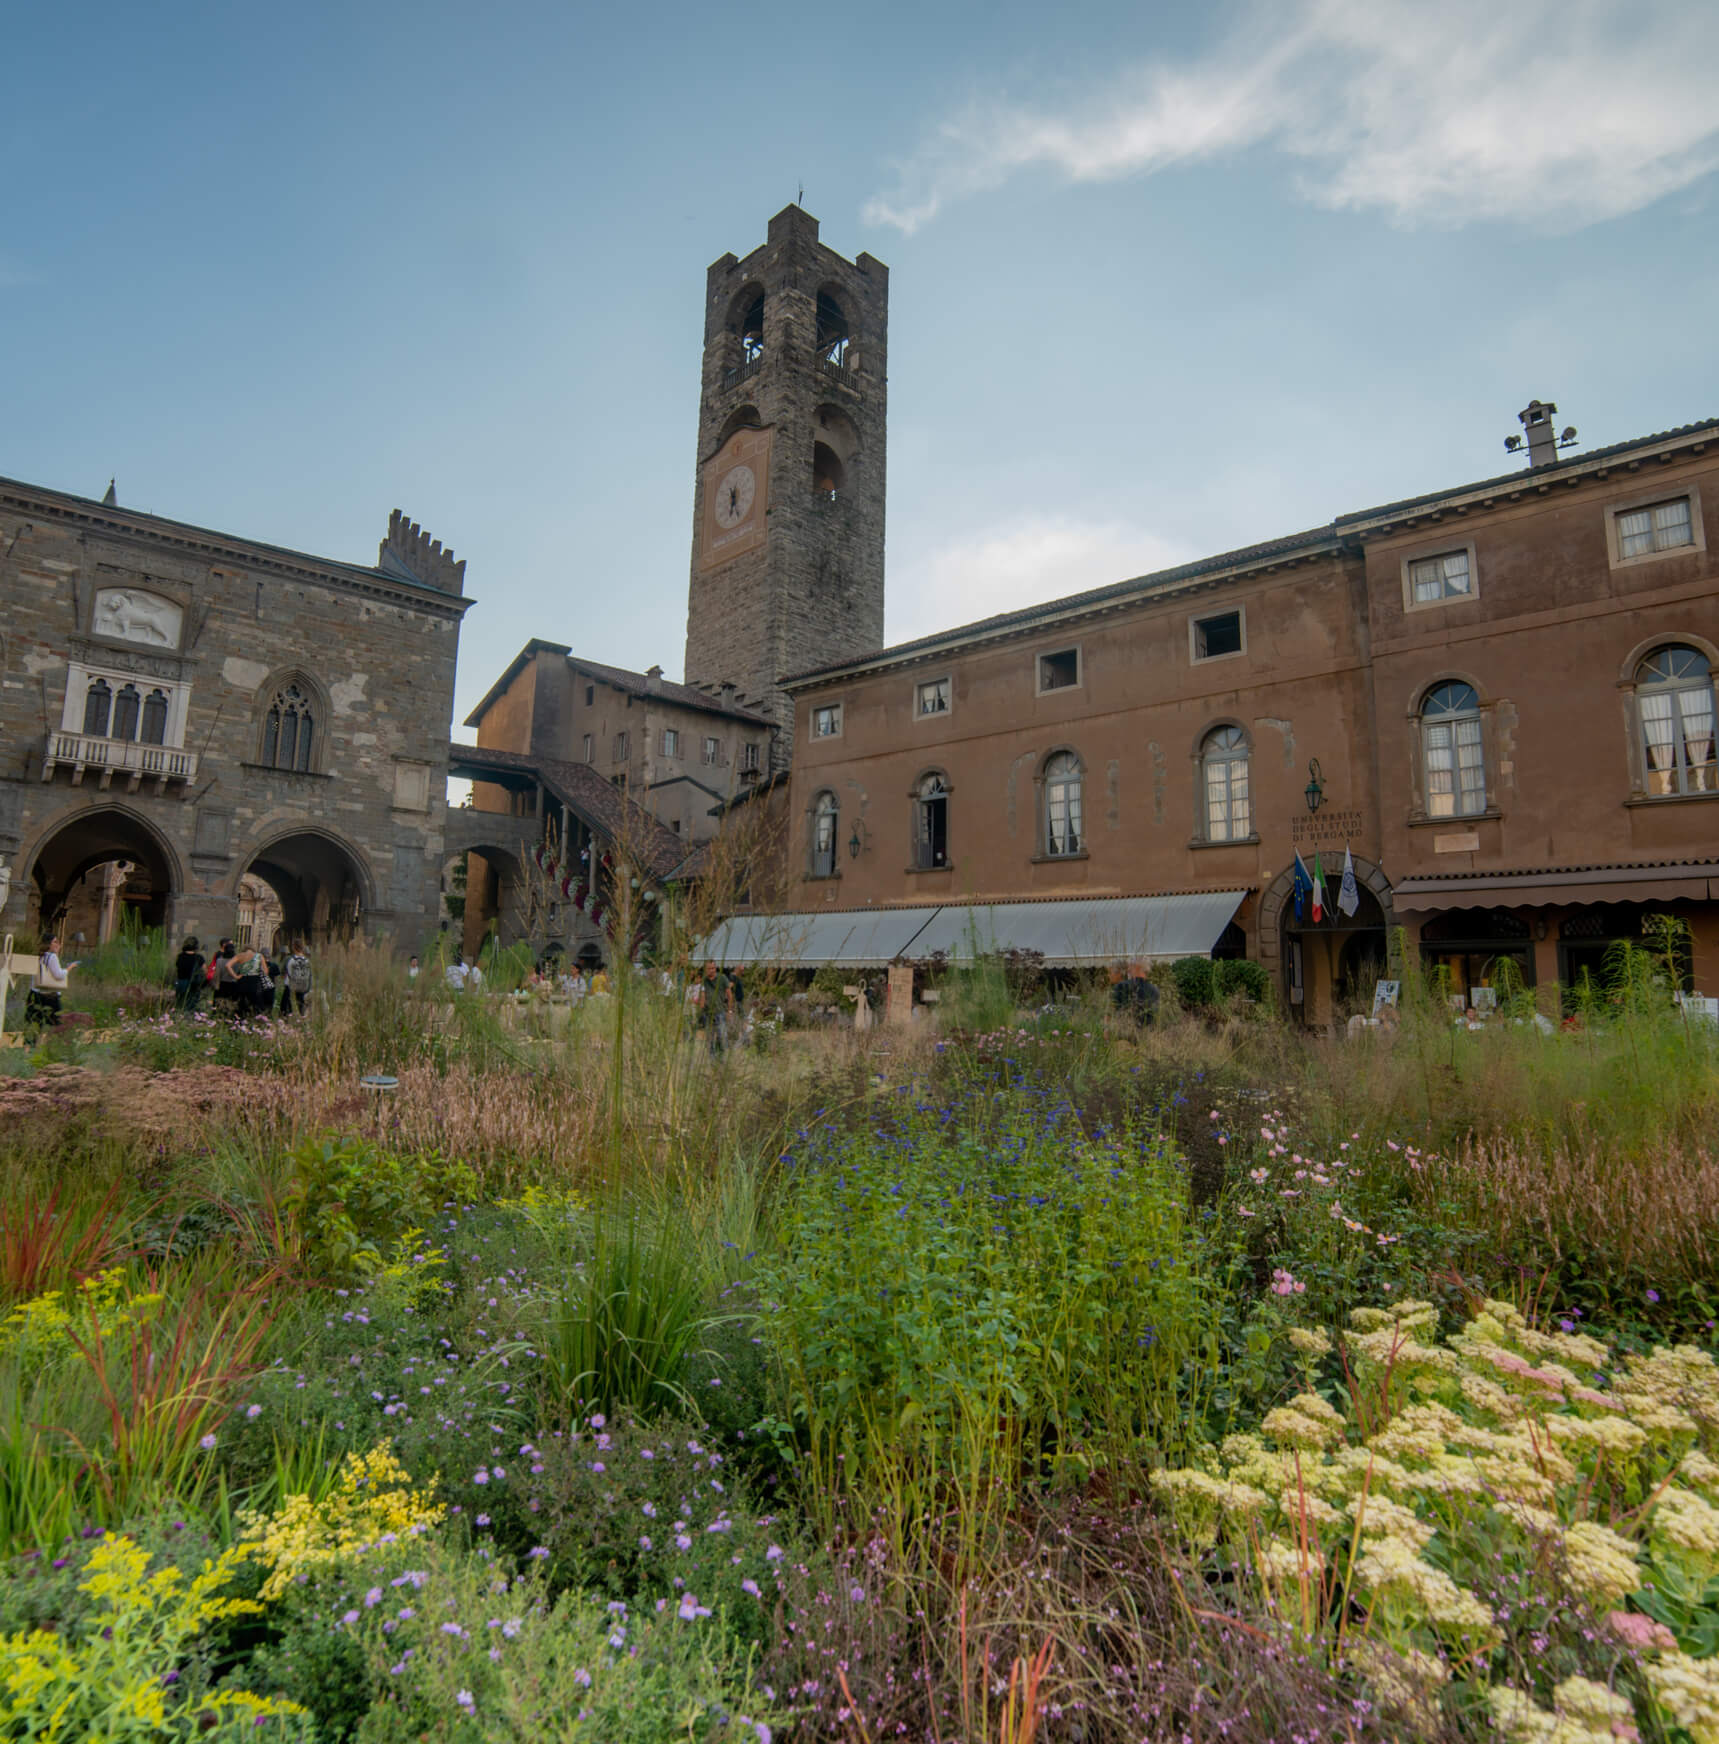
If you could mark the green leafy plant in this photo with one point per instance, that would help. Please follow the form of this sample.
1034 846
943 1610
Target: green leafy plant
348 1199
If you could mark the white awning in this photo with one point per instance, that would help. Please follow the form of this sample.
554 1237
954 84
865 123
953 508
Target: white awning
1111 929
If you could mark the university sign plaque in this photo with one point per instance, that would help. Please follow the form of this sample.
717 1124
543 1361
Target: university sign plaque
1326 828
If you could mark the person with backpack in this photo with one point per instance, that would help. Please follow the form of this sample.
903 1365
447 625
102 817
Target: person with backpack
296 983
188 969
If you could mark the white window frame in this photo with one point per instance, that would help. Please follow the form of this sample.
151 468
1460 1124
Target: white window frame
671 742
1456 743
1195 657
590 748
712 751
623 747
1074 814
1040 688
1214 758
1689 778
834 711
79 678
1689 493
749 757
834 813
1437 553
920 711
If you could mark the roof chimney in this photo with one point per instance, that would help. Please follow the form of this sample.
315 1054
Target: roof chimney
654 680
1536 418
727 694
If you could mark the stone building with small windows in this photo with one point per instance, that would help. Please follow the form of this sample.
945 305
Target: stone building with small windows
185 713
1495 699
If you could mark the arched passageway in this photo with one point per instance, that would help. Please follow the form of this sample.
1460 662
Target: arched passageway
98 869
321 886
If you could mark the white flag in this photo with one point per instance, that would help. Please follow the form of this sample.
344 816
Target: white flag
1348 895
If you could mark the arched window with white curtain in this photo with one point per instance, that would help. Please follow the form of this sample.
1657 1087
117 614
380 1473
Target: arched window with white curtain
1065 831
1454 750
826 814
1224 769
1674 702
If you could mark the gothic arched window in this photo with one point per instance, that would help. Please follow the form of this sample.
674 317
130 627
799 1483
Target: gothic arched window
1674 702
98 707
1455 754
289 729
1064 830
125 709
1224 768
154 718
826 813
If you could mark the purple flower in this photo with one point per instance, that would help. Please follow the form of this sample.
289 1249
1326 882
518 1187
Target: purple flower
480 1476
372 1598
582 1677
254 1411
454 1629
751 1586
774 1553
644 1543
1653 1295
208 1442
483 1519
464 1698
682 1542
538 1550
857 1594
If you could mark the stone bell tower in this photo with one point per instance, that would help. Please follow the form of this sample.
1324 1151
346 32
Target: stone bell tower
787 543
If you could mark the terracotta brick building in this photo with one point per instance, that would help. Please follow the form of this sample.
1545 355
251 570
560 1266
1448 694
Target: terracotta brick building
1498 697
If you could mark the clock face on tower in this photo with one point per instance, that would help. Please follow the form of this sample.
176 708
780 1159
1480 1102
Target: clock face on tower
735 490
736 497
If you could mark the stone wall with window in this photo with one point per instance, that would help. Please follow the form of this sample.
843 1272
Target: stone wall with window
185 701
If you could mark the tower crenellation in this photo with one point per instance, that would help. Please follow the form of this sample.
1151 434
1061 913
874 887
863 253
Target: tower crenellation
788 518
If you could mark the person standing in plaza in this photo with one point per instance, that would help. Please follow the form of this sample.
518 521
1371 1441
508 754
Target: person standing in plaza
188 969
295 983
47 985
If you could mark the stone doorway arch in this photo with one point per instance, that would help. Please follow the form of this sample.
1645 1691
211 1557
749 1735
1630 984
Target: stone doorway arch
1329 956
322 884
108 860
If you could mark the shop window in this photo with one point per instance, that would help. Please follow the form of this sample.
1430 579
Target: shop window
1063 780
931 822
1455 756
1224 757
1674 704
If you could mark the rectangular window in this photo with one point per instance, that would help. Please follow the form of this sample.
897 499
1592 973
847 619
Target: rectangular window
671 742
712 752
1059 671
1446 576
1217 635
749 757
590 695
932 697
1456 768
590 749
827 721
621 748
1658 527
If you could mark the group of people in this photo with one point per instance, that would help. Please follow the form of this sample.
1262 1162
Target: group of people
242 980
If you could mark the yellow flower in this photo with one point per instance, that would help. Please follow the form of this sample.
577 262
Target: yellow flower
1311 1341
1687 1522
1688 1690
1390 1568
1601 1563
1307 1421
1380 1517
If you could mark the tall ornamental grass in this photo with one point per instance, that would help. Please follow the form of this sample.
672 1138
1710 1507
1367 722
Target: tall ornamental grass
968 1296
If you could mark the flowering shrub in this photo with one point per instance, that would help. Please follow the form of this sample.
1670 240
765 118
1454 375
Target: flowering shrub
372 1501
43 1332
117 1673
458 1647
1496 1515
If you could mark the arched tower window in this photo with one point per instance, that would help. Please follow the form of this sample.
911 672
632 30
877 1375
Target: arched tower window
835 442
98 707
1064 828
125 711
1224 768
289 729
1455 755
931 821
154 718
826 814
833 332
747 323
1674 702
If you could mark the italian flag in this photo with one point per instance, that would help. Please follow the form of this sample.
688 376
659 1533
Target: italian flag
1318 891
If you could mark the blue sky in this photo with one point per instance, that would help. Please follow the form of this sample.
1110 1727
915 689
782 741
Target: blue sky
1164 279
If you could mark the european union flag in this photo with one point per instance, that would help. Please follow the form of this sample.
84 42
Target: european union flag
1303 885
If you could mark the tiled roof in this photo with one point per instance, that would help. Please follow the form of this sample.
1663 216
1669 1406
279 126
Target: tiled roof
686 695
1335 532
600 803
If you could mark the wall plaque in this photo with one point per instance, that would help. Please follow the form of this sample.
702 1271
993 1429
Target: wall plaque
1463 842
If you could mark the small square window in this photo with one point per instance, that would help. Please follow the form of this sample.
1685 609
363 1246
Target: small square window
1217 635
1658 527
1447 576
1059 671
671 742
932 697
827 721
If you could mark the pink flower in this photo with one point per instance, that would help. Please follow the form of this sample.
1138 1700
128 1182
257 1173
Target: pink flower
1285 1283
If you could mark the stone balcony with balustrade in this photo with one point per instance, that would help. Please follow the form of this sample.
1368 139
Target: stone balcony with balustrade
81 754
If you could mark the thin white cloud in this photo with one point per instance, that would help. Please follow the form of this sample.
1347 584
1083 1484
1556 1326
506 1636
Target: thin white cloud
1552 112
1023 563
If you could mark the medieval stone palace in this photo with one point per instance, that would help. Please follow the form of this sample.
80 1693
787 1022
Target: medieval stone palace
180 709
